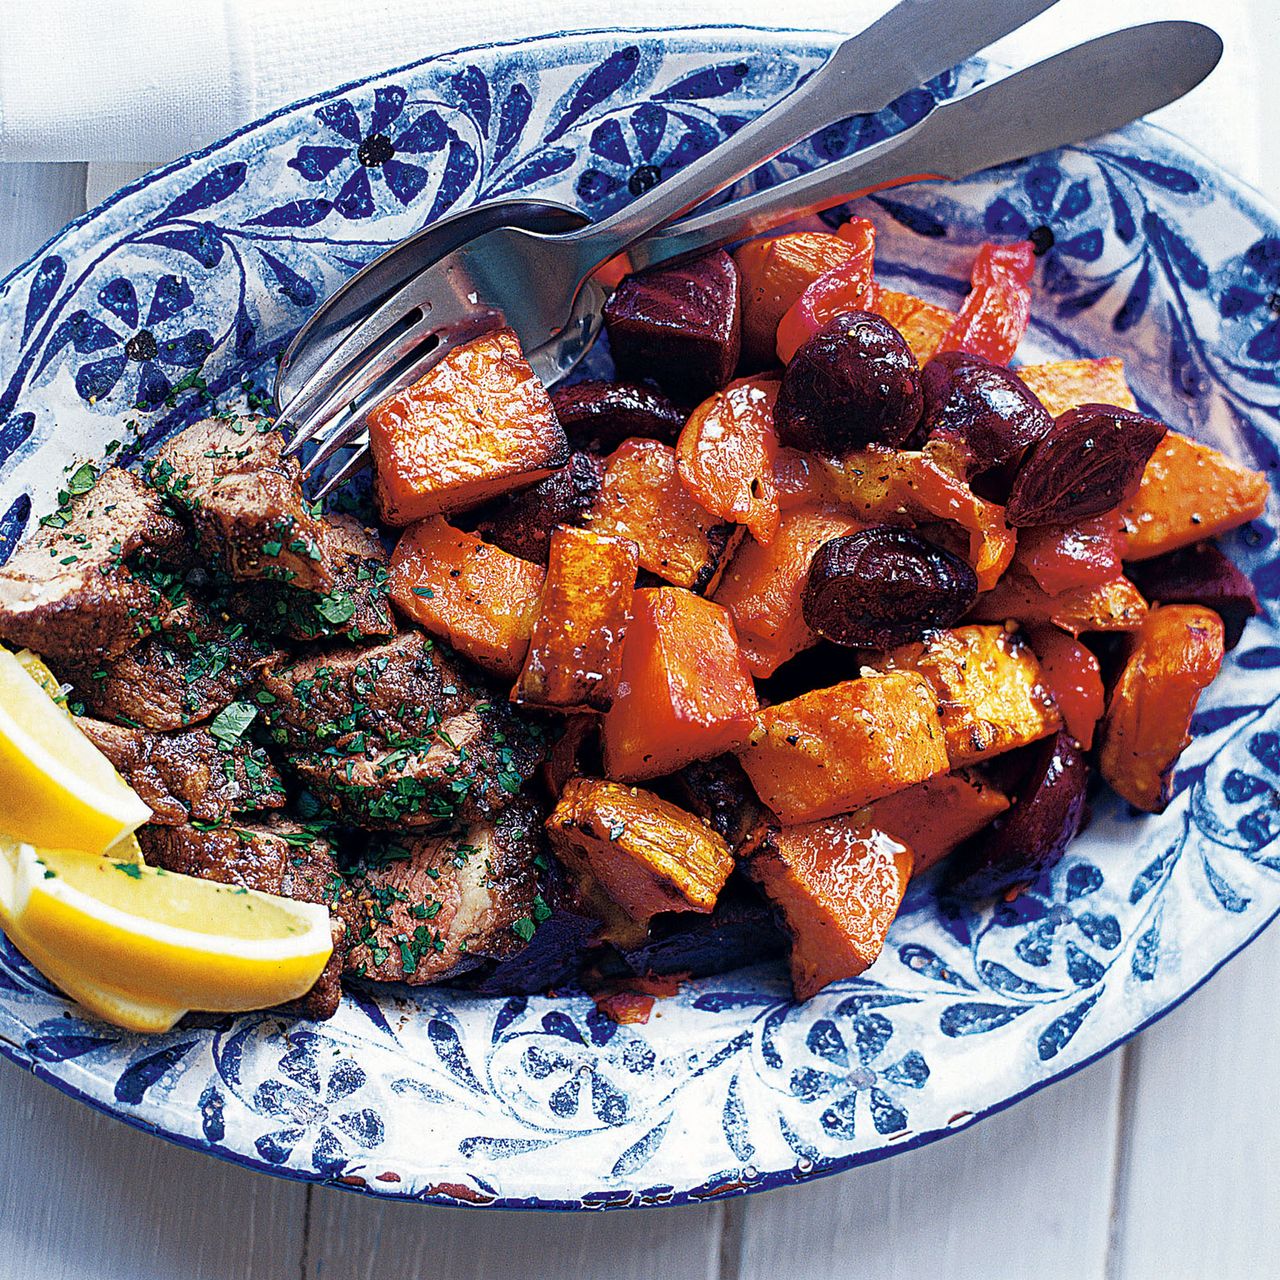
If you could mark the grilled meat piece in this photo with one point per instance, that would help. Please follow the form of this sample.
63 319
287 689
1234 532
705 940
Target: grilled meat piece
395 736
277 857
186 777
244 499
452 903
358 606
175 678
522 523
70 592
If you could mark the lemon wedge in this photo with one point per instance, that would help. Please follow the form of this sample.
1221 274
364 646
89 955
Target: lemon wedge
56 788
139 946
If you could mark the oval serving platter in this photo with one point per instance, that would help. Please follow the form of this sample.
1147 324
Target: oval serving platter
183 288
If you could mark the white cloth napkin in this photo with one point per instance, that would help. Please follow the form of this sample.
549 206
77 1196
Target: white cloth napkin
146 80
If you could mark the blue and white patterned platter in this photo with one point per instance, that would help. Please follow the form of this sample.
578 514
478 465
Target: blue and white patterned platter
189 283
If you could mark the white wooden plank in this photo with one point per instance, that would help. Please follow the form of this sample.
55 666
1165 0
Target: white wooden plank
353 1239
35 201
1026 1192
84 1197
1197 1193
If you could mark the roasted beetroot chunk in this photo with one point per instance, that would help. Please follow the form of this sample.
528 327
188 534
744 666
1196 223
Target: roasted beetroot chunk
1200 575
1029 838
982 407
854 383
680 326
599 416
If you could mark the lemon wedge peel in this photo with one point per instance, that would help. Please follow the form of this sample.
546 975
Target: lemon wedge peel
269 950
58 789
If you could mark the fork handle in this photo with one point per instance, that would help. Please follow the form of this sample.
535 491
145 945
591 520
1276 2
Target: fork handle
912 42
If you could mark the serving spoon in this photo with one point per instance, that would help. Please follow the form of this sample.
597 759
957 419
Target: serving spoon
1036 109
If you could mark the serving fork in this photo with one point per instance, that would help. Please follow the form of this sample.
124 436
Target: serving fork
395 331
536 281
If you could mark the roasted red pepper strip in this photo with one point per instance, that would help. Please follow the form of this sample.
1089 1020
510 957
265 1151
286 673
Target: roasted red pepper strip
995 314
1071 674
1063 557
844 288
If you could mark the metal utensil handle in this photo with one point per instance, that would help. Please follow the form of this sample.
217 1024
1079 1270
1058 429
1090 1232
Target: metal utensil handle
1033 110
914 41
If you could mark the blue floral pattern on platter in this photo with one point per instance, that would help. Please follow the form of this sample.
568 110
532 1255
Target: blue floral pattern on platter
187 286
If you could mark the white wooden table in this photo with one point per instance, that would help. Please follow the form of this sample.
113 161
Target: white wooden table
1159 1161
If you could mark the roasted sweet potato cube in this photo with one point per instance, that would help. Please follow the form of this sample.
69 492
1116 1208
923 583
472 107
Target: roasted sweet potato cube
1067 384
1175 656
989 694
685 694
837 749
762 586
642 499
1112 606
1189 491
647 854
575 655
476 596
839 885
774 272
937 815
922 325
476 425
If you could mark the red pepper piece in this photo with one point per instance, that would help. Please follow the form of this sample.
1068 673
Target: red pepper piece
995 314
1063 557
846 287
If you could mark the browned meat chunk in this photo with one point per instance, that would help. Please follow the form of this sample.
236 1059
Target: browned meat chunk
280 857
175 678
450 904
358 606
244 498
70 593
395 736
522 523
188 777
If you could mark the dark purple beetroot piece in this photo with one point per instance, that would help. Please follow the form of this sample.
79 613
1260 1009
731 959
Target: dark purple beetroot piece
854 383
523 523
599 416
721 794
1029 838
680 326
556 953
885 586
741 930
1089 464
1199 575
983 406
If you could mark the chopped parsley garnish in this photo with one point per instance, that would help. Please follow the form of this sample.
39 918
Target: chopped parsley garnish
337 608
231 723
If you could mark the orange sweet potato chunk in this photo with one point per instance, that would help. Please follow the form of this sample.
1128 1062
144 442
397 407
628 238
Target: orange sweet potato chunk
989 693
839 885
836 749
646 853
936 816
575 654
1175 656
642 499
921 324
725 455
1067 384
1111 606
476 425
479 598
685 693
774 273
762 586
1189 492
